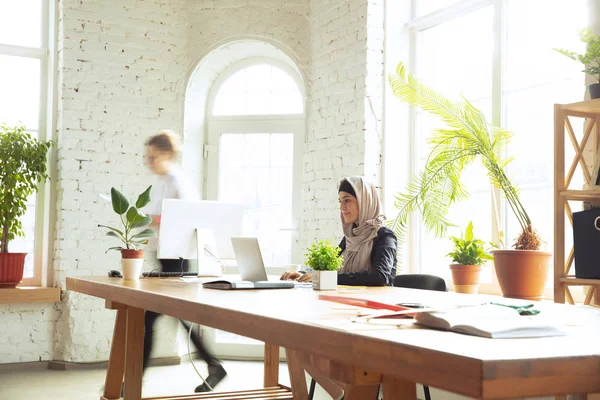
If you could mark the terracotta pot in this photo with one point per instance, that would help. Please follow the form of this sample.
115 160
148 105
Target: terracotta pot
125 253
522 274
11 269
465 278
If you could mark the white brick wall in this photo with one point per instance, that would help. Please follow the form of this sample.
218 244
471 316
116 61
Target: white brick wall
345 110
123 70
26 332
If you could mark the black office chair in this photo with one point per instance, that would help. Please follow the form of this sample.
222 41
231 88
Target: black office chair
409 281
422 282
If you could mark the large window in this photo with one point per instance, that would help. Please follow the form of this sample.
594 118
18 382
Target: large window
25 73
254 150
499 55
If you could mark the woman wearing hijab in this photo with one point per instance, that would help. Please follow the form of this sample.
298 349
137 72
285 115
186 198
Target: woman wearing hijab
369 248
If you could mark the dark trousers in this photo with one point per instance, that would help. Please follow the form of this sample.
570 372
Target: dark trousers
151 317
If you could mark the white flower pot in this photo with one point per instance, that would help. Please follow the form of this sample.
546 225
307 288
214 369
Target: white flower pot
324 280
132 268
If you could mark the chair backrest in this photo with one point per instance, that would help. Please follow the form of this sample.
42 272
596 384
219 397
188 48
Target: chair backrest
420 281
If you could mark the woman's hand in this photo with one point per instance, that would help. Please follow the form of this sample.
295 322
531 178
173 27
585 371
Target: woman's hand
296 276
305 278
290 276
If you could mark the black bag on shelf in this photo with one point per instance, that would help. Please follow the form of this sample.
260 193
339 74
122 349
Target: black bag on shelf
586 243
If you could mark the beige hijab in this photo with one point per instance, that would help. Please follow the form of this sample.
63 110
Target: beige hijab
359 239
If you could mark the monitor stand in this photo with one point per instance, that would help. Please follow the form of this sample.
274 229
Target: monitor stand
209 265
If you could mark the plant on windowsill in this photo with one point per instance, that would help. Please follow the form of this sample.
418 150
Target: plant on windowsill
522 271
22 168
468 256
132 235
324 259
590 59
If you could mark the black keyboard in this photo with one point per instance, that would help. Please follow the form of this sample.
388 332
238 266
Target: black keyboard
158 274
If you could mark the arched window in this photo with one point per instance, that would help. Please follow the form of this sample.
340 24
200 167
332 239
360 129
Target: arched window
254 149
261 89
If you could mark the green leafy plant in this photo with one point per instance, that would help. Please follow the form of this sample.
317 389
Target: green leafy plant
22 168
591 58
467 137
324 256
132 220
468 250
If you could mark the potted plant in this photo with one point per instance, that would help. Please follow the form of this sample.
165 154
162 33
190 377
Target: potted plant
522 271
468 256
324 259
22 168
133 235
590 59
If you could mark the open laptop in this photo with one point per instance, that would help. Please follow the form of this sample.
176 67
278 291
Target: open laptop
252 269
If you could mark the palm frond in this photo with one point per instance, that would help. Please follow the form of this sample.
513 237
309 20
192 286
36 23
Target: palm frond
467 136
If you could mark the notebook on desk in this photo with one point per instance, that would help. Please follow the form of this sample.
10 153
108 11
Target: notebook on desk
252 269
489 321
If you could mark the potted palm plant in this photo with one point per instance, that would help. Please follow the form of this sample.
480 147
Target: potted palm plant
133 234
522 271
468 256
22 168
324 259
590 59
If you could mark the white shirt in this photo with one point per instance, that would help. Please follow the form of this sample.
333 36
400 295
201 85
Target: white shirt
172 185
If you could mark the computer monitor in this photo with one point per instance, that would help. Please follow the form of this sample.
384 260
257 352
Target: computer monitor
180 220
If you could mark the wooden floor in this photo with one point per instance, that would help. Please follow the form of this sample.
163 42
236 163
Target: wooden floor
34 381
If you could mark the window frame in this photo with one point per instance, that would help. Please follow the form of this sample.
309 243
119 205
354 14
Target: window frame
248 124
46 54
498 206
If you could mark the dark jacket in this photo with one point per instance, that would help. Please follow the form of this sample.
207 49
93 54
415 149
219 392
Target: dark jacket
383 262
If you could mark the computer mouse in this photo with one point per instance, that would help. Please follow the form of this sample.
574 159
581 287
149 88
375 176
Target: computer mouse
113 273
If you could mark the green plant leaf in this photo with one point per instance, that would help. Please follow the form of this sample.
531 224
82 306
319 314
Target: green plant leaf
111 233
323 256
114 248
143 198
469 232
119 202
134 216
466 138
144 222
112 229
23 166
146 233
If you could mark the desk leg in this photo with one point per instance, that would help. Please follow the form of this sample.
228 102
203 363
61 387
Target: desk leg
271 365
134 353
398 389
368 392
297 377
116 362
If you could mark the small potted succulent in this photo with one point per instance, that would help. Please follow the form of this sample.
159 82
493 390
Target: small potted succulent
468 256
324 259
134 233
590 59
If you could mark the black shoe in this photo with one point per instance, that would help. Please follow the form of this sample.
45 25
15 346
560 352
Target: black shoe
216 373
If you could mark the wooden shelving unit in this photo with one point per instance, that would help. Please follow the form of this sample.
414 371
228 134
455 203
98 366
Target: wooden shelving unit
590 110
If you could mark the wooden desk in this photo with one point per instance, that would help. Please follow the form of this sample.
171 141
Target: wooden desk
472 366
